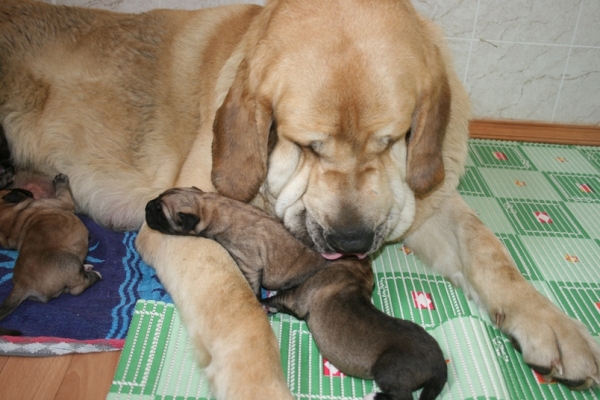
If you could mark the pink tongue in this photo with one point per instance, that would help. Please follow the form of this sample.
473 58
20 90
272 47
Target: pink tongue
336 256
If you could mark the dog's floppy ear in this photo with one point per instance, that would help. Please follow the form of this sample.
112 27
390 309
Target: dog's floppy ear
425 167
240 142
17 196
187 221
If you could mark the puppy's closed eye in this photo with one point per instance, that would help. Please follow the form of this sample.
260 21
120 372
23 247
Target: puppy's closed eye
187 221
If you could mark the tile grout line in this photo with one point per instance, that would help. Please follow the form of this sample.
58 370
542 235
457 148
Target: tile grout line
562 80
471 44
577 46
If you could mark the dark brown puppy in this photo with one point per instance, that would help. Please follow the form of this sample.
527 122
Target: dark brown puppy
52 244
335 301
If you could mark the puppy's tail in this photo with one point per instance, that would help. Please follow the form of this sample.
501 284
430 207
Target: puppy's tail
434 386
14 299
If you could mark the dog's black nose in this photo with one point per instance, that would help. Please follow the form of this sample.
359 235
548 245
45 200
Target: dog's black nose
351 241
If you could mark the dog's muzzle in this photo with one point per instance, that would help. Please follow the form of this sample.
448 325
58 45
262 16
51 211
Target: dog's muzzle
339 242
155 217
351 241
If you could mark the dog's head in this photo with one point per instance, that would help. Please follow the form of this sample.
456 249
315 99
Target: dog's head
337 117
176 212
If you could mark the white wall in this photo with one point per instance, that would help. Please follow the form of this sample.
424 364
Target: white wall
533 60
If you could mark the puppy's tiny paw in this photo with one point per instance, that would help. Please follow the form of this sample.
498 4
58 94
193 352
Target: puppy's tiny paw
60 178
269 310
370 396
90 268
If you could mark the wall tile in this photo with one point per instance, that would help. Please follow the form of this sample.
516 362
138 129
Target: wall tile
515 81
459 49
508 79
579 97
115 5
548 21
588 29
456 17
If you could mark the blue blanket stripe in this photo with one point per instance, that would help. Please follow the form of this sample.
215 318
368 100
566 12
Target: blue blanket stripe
103 311
126 292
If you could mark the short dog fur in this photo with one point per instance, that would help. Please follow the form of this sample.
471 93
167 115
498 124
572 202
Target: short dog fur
333 297
344 119
52 244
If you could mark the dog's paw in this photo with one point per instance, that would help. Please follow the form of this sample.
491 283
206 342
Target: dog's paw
90 268
61 179
370 396
269 310
556 346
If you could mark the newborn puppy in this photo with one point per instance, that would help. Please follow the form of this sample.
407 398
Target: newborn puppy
52 243
333 297
267 254
359 339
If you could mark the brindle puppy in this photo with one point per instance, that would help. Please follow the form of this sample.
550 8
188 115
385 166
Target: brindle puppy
52 244
268 255
335 301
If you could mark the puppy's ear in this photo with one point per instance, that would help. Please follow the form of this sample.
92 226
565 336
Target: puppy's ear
240 142
187 221
425 166
17 196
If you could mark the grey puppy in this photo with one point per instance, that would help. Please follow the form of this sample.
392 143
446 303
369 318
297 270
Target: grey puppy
52 243
333 297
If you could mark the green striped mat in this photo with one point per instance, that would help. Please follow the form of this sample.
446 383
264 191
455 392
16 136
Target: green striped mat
543 203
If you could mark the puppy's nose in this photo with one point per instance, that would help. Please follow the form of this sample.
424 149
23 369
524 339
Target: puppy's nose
155 218
356 241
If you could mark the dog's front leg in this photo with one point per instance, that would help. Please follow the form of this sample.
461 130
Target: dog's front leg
455 242
223 318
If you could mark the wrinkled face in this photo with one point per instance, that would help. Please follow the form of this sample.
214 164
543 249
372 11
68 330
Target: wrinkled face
338 120
337 173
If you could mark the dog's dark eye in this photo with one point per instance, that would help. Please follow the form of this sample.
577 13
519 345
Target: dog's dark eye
385 141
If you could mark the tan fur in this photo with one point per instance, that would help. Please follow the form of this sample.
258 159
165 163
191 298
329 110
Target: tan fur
126 104
52 243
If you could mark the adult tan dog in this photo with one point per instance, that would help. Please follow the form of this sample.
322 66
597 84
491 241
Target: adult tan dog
343 118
